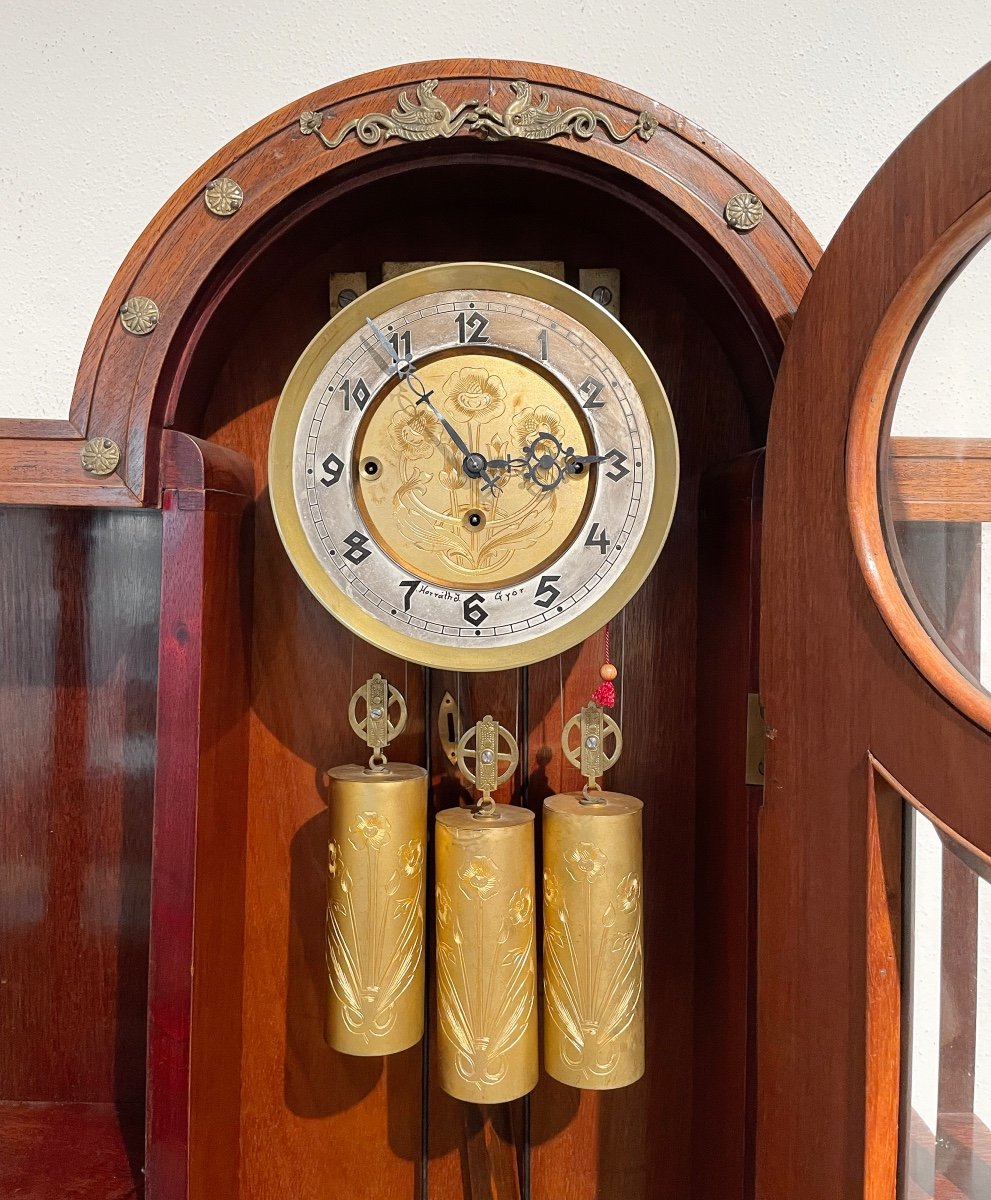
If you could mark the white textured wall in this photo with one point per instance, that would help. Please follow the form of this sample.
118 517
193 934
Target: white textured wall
106 106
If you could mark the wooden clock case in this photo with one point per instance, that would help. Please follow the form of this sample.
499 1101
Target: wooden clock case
170 693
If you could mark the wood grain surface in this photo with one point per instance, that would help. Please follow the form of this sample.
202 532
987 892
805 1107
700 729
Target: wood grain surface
838 687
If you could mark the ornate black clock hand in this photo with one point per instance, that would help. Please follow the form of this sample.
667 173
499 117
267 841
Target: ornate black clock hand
475 464
403 366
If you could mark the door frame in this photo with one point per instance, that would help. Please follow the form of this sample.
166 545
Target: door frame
852 720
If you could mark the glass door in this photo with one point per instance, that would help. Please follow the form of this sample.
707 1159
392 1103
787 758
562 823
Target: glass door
874 934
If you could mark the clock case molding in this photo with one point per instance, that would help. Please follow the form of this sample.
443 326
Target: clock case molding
170 695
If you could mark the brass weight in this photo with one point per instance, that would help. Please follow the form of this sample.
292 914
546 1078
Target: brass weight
486 956
593 921
375 889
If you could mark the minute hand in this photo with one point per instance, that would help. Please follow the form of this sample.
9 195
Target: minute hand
474 464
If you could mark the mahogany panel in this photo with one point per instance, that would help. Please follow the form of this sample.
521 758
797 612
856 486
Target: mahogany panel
79 604
69 1151
195 988
305 1109
726 822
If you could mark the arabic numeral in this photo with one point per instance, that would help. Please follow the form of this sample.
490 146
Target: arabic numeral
602 541
402 343
409 586
619 471
542 343
334 467
547 592
474 613
590 389
471 328
357 550
357 392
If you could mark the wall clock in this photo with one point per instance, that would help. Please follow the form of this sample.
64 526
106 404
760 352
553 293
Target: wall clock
473 457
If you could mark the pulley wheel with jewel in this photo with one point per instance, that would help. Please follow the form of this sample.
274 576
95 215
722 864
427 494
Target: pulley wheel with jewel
493 753
590 755
377 727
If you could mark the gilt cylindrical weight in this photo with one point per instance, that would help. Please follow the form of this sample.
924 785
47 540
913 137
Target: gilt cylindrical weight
375 893
593 940
486 958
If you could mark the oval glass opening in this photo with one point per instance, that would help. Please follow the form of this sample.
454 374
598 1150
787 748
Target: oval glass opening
935 470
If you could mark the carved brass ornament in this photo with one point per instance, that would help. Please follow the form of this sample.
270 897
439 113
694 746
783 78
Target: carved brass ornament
223 197
139 315
100 456
744 212
430 117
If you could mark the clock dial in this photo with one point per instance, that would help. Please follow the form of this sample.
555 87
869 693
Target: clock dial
495 504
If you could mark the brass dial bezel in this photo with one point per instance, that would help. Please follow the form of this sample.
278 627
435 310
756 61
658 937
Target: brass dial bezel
468 276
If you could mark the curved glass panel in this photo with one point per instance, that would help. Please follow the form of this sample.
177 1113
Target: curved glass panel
935 472
946 1012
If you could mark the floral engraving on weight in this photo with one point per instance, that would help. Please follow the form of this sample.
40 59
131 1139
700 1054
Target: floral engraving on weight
373 949
593 960
485 995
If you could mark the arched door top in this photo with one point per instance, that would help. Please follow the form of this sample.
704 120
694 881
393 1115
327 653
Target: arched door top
173 280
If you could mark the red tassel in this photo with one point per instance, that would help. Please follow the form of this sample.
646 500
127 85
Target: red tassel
605 694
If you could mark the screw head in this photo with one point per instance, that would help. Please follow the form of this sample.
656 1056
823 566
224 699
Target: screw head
375 713
224 196
346 296
487 756
592 742
602 295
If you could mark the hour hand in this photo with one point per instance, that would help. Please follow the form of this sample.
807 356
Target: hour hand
400 365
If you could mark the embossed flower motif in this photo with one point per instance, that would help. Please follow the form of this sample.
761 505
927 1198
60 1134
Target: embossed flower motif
628 892
473 394
443 907
646 126
372 829
331 859
479 875
310 122
520 906
414 432
552 889
587 859
411 857
531 422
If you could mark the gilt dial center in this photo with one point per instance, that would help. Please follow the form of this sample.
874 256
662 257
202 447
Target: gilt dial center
476 520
